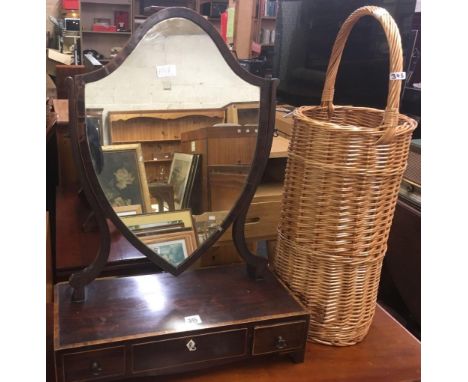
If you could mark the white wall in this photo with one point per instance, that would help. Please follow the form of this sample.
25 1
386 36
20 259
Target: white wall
203 79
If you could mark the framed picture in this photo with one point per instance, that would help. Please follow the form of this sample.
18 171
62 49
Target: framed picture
134 209
181 177
94 116
173 247
158 223
123 177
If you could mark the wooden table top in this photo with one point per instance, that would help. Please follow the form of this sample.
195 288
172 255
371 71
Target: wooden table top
388 353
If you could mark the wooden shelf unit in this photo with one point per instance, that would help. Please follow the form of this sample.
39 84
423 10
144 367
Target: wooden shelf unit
249 22
139 17
103 41
102 32
264 29
159 133
247 30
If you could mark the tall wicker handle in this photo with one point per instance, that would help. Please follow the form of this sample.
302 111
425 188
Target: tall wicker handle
390 119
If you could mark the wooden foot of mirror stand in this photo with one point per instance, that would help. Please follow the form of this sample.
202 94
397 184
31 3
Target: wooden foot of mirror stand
256 272
79 295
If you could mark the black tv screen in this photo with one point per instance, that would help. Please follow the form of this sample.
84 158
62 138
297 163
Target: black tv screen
305 33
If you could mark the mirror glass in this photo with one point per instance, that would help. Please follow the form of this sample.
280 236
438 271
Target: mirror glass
172 134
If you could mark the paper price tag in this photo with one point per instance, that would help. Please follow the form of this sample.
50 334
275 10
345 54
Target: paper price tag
166 71
193 319
397 76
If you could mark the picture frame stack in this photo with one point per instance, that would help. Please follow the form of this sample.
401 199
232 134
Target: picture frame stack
183 175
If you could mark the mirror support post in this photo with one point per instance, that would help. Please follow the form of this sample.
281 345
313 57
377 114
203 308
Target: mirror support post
256 266
79 280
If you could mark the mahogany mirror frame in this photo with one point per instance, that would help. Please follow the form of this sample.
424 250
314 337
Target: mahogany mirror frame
95 195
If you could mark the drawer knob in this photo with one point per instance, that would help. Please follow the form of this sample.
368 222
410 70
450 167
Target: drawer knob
96 369
280 343
191 345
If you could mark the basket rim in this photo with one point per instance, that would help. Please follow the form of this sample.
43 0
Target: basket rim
408 125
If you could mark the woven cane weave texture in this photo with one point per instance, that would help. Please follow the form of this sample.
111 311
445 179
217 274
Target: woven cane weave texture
345 166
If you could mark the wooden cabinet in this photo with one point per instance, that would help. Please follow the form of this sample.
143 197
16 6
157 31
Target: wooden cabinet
123 332
227 154
105 25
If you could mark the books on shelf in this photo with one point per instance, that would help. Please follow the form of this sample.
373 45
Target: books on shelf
267 36
268 8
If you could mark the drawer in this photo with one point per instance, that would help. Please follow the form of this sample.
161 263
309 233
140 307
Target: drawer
279 337
94 364
186 350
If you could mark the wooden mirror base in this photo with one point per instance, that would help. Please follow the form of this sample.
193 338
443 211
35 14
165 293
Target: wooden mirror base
145 325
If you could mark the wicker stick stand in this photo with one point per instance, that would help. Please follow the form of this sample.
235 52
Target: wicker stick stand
345 166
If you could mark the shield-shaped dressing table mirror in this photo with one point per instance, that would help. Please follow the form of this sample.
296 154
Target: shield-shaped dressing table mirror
171 139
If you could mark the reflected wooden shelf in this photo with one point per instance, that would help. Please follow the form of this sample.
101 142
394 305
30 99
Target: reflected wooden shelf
157 160
118 141
108 33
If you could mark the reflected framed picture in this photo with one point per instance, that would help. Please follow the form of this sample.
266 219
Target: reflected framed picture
94 116
158 223
123 177
130 210
173 247
181 176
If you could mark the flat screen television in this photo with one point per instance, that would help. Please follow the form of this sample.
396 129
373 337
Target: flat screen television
305 33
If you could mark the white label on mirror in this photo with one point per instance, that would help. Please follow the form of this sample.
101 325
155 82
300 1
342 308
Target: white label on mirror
192 146
166 71
193 319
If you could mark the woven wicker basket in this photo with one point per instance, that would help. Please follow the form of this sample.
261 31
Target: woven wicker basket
345 166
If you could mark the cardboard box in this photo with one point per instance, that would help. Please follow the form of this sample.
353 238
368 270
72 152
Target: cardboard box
70 4
54 57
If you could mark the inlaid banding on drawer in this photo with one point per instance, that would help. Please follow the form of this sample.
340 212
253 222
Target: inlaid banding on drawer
190 349
94 364
279 337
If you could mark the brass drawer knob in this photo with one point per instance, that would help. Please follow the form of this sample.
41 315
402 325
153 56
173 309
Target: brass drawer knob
96 369
280 343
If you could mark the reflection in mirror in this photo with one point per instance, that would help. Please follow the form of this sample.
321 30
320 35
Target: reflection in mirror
172 134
